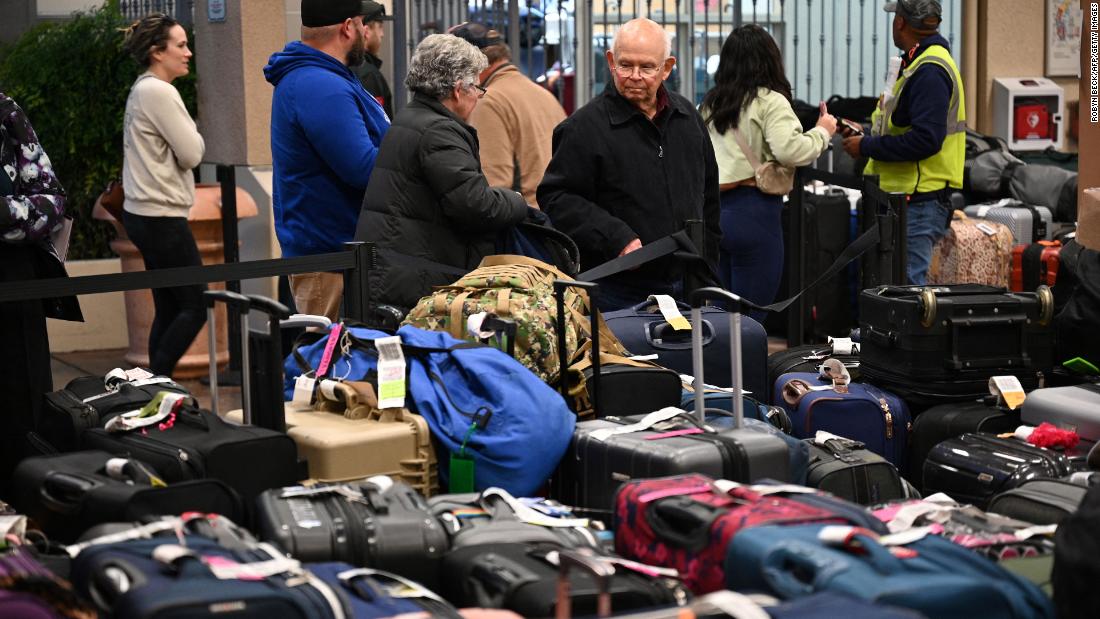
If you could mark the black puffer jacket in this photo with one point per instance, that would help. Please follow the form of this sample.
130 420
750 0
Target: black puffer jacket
427 198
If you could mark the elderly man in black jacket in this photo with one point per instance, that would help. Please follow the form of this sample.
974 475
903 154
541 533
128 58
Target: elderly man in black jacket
632 166
427 197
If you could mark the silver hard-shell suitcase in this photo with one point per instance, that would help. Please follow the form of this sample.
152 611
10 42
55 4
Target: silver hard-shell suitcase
1074 408
1019 217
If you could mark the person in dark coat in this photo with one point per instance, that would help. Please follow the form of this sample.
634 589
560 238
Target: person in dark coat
32 211
370 72
632 166
427 197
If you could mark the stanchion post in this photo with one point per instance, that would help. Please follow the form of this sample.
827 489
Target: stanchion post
796 263
227 177
357 281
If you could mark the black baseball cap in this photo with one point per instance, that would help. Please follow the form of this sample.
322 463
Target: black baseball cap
920 14
318 13
479 35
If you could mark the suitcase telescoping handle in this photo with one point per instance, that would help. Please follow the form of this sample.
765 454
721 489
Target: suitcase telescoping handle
243 305
601 571
733 306
560 286
273 415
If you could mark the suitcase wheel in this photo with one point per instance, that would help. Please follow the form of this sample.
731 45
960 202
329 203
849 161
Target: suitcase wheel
928 307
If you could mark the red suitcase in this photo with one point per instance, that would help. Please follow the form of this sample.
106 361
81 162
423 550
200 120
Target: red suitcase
1034 265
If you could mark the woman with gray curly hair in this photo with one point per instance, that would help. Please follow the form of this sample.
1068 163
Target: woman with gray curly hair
427 197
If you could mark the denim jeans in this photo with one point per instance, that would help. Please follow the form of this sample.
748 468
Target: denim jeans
928 221
751 251
166 242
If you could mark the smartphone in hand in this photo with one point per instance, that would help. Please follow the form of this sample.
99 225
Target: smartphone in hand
848 128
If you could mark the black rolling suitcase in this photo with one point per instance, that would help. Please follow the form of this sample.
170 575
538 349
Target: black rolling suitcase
200 445
947 421
610 389
1041 501
938 344
367 524
973 468
829 310
66 494
524 578
606 452
849 470
91 401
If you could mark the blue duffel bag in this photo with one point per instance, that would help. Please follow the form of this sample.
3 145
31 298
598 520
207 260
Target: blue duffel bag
931 574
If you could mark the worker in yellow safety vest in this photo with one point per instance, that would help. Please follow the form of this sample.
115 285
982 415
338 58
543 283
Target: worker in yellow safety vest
917 144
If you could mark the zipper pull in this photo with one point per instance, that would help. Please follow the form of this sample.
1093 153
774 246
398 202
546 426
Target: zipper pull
660 151
889 418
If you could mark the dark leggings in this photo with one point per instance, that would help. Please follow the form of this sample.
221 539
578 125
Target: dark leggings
166 242
751 257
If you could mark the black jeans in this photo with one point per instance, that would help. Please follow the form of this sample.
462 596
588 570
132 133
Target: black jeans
166 242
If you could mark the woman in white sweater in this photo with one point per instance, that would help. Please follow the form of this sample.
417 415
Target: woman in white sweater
161 146
752 97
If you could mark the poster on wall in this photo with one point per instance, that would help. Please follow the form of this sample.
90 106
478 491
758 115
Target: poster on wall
1063 20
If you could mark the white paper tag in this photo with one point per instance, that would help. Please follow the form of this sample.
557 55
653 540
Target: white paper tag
986 228
1009 389
844 346
652 357
391 372
328 389
671 312
137 374
645 423
982 210
303 389
689 381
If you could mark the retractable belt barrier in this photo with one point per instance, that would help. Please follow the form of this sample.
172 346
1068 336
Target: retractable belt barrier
358 258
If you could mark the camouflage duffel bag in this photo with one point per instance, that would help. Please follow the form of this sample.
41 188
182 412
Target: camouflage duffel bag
520 289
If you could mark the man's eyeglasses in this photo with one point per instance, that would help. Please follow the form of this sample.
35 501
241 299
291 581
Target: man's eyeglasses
481 90
627 70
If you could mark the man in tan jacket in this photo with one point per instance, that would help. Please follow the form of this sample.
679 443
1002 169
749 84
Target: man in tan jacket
515 120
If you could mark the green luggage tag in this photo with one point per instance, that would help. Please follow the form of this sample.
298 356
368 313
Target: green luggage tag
1081 366
462 465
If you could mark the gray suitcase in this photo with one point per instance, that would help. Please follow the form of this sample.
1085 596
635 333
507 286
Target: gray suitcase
1029 224
1073 408
595 466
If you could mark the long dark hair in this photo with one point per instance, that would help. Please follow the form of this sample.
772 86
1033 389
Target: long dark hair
147 34
750 60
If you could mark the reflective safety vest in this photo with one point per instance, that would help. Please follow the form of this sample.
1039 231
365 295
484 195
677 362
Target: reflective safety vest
942 169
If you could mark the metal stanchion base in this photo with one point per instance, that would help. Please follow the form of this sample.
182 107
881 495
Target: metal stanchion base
230 378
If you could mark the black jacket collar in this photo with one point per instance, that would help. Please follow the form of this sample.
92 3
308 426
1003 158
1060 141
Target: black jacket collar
372 59
621 111
437 106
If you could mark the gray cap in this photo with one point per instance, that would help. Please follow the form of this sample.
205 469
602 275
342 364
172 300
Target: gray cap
920 14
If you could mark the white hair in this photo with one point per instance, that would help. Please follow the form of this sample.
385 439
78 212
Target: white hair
439 61
637 25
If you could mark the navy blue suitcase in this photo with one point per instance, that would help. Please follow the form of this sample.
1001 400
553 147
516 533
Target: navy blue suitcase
644 331
872 416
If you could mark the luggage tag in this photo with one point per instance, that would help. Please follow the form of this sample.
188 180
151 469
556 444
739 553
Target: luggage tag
671 313
1008 390
305 386
844 346
462 464
986 228
391 372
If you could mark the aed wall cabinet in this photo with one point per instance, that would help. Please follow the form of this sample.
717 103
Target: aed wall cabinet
1027 112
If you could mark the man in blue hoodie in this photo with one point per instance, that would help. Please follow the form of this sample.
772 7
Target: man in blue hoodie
325 133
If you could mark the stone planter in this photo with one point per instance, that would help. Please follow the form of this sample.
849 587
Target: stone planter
206 225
